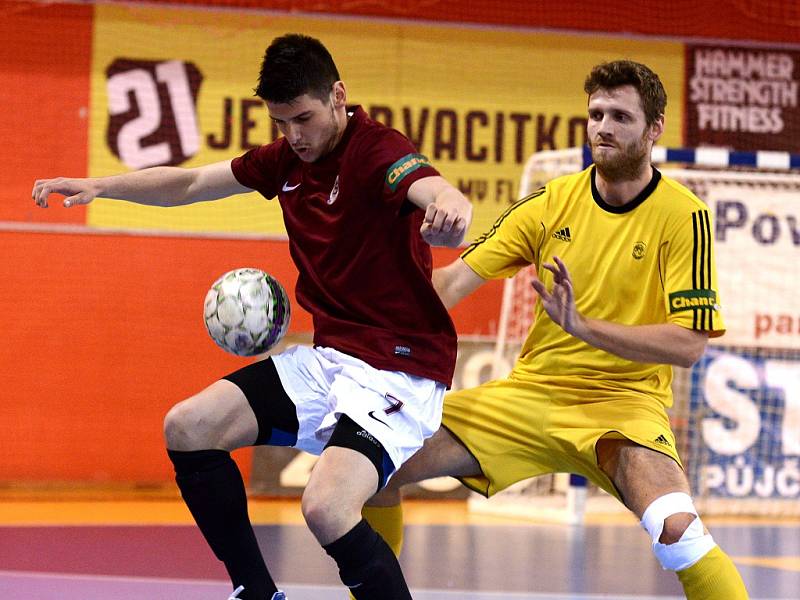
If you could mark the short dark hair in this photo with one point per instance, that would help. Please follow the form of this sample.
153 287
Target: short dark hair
294 65
614 74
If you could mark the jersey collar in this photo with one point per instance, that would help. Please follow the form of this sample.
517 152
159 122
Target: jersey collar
628 206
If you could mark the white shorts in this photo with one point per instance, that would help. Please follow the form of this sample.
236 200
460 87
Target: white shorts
398 409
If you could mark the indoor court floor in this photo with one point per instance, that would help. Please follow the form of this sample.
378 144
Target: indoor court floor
146 548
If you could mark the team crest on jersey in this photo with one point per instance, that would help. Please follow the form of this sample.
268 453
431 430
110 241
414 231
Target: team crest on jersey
334 191
408 164
639 249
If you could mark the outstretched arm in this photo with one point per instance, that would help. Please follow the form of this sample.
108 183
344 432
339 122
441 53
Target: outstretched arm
663 343
157 186
448 213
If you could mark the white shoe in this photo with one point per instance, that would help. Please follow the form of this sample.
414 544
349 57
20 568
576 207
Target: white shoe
279 595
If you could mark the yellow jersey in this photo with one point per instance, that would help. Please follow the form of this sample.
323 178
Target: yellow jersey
650 261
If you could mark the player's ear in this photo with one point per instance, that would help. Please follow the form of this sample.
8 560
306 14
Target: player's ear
339 94
656 129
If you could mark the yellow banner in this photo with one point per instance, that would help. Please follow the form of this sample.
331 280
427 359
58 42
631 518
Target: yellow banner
174 86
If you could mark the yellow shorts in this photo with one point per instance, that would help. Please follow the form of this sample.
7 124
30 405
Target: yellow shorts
517 429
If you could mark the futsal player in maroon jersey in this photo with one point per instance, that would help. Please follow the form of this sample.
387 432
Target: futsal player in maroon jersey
361 209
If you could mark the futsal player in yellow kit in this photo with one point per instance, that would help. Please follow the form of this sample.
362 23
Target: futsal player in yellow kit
627 288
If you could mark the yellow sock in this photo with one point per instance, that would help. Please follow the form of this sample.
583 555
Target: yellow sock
388 522
713 577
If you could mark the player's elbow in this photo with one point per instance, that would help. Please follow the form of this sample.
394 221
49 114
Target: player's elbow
686 361
692 349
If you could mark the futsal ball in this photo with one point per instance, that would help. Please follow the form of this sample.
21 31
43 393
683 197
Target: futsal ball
246 312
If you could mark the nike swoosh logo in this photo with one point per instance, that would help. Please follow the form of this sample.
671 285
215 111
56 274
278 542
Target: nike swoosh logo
288 188
377 419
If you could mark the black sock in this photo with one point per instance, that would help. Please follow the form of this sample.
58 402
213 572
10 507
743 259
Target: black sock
367 565
212 487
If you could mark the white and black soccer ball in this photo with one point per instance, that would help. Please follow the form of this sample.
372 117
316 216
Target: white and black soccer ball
246 312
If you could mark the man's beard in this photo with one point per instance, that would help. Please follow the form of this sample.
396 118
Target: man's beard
627 165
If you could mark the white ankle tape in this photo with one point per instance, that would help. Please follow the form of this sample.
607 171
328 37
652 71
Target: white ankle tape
692 545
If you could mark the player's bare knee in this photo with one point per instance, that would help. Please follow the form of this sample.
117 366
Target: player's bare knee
174 429
314 510
678 535
181 427
323 515
675 526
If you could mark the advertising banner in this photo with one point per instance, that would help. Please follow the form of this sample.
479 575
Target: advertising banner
757 236
745 413
173 86
744 98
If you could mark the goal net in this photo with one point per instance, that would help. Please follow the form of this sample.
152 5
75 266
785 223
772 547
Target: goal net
736 413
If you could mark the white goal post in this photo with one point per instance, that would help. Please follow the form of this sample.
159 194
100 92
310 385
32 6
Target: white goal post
737 412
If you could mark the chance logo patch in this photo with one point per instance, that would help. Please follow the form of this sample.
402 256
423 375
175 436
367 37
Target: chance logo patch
408 164
692 299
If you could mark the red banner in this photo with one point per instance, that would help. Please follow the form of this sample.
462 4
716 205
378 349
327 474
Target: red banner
743 98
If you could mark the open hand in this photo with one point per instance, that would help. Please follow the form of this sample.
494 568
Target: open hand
560 302
76 191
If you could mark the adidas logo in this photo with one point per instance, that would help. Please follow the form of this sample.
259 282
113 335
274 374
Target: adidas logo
662 440
563 235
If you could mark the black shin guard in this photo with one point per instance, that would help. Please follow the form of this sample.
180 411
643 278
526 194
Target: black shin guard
212 487
367 565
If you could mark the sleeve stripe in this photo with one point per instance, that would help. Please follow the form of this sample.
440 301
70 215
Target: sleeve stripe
707 220
701 266
482 238
702 255
708 266
702 262
694 252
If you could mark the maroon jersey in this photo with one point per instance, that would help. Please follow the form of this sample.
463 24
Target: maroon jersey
364 269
